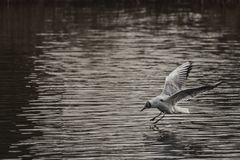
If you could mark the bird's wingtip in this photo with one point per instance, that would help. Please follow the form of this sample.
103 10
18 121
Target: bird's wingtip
217 83
190 62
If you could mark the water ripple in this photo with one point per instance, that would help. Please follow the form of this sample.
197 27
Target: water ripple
89 77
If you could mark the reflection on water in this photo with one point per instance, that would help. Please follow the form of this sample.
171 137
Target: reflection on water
73 79
175 145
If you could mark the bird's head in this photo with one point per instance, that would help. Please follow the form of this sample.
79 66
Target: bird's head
146 106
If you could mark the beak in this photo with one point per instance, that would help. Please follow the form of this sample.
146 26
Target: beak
142 109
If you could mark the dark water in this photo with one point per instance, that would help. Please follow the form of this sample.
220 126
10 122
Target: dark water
73 79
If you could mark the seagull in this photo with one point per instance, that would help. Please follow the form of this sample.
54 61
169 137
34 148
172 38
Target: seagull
173 93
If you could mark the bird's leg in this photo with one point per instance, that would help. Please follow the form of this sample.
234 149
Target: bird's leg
154 127
155 117
159 118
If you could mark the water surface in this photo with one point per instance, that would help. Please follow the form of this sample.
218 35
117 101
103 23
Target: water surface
74 78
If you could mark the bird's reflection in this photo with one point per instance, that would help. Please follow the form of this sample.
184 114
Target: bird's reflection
172 142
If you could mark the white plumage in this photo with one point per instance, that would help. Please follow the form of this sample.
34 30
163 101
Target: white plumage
172 92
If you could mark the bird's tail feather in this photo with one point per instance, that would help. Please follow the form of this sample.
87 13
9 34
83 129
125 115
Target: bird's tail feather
181 110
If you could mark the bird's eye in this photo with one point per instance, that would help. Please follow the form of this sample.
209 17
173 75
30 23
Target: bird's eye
161 100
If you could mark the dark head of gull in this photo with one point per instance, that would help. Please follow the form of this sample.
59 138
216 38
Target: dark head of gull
146 105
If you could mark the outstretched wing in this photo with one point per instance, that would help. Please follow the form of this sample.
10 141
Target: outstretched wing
175 80
189 93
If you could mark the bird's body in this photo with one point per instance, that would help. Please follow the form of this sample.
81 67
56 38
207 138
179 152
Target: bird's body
159 103
172 92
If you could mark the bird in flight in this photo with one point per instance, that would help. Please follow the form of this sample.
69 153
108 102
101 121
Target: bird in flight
172 92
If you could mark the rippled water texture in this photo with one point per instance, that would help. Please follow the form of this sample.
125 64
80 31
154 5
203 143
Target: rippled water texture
74 78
